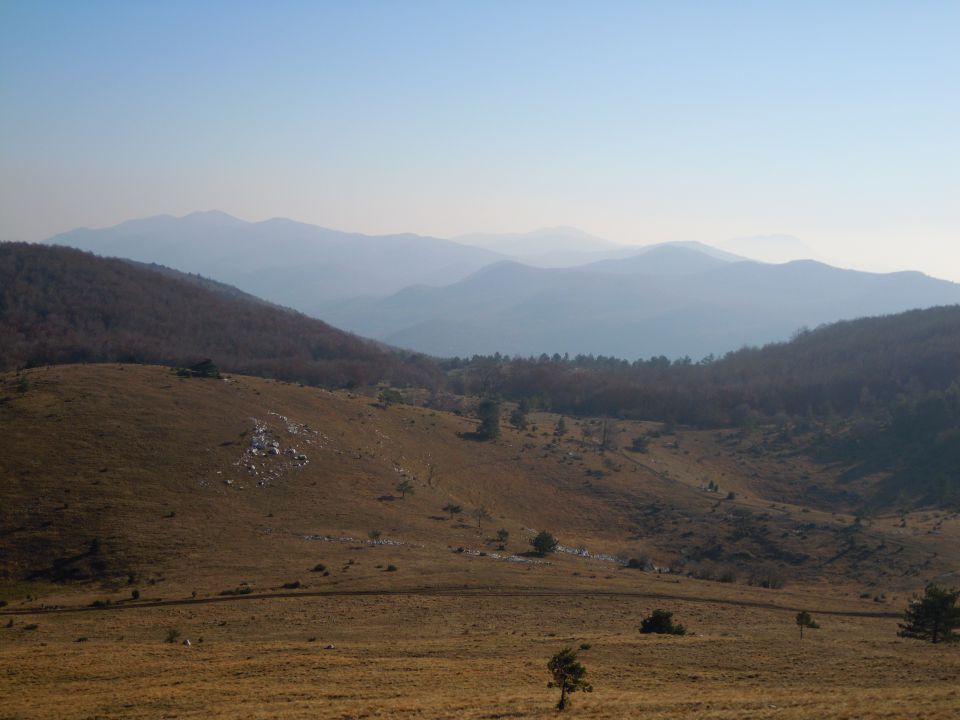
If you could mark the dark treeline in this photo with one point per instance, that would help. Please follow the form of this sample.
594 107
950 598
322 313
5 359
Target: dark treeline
843 369
882 394
59 305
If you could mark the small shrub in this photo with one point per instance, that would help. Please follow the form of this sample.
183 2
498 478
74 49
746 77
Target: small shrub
727 575
243 590
635 564
391 568
544 543
452 509
319 567
100 603
767 577
172 635
292 585
660 622
585 646
135 594
31 626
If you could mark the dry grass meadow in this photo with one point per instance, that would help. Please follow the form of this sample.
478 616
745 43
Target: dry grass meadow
157 471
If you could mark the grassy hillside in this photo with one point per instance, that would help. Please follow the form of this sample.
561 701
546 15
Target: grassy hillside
61 305
135 510
140 506
118 470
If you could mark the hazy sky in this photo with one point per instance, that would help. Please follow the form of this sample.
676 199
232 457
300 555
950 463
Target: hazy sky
836 122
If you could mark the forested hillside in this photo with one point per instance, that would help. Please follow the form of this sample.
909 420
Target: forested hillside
880 394
839 369
59 305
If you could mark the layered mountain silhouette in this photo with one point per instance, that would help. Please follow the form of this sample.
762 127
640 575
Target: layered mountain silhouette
302 266
517 294
672 301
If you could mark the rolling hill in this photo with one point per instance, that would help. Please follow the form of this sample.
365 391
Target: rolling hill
157 559
120 469
236 534
62 305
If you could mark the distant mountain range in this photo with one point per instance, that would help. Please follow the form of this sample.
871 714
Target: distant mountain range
673 301
557 290
305 267
770 248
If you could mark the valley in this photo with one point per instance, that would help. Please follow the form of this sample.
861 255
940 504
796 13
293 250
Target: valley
124 478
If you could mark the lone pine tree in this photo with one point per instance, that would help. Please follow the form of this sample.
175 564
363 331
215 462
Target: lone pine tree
805 620
489 413
568 675
932 617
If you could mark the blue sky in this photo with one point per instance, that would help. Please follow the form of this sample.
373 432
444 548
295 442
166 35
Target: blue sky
642 122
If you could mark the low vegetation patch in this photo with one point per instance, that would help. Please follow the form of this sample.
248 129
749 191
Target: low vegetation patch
660 622
242 590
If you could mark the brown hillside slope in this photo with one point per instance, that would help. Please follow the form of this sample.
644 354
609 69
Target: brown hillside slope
157 469
120 470
60 305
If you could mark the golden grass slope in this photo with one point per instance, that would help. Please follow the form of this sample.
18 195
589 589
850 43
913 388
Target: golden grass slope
158 469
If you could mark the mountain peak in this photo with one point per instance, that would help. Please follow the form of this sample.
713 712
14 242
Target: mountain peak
212 217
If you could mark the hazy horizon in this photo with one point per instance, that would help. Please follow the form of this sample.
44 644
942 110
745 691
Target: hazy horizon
640 124
782 248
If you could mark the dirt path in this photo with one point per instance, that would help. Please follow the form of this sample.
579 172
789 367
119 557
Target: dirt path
442 591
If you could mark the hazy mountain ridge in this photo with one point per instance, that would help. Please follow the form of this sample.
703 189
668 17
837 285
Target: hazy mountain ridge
445 298
713 308
302 266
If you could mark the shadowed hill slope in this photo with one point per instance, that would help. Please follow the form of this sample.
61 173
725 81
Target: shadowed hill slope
62 305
